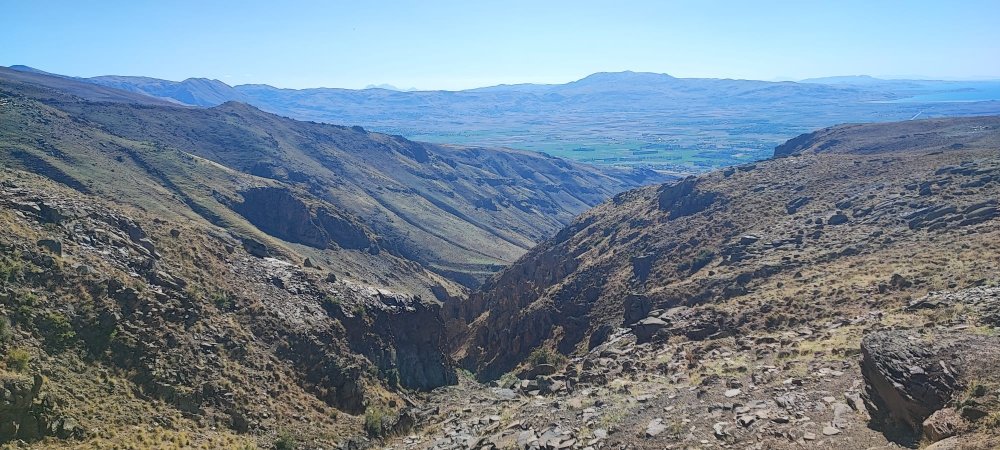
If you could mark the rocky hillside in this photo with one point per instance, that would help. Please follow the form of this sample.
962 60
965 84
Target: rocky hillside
863 197
122 328
456 213
729 309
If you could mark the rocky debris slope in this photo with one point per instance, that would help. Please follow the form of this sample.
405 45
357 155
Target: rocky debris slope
855 216
764 389
113 307
921 372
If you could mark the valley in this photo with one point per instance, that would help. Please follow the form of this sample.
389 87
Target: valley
218 276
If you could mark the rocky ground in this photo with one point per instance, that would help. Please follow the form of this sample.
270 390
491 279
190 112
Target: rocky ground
813 386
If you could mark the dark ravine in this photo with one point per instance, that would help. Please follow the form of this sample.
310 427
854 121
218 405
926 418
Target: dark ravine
239 275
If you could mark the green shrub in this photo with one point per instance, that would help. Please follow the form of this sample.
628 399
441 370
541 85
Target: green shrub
542 355
25 304
222 300
18 359
330 301
10 269
57 330
508 379
376 419
285 441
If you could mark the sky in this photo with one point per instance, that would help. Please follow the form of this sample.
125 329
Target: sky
437 44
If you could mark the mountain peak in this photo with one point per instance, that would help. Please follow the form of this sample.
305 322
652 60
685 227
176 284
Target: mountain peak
625 76
389 87
845 79
23 68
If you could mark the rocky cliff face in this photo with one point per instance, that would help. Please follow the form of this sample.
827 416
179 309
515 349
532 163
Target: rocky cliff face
278 212
403 337
937 386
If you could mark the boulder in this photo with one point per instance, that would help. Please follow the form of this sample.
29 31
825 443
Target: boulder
837 219
655 427
647 328
54 246
538 370
637 307
255 247
910 378
794 205
905 382
944 423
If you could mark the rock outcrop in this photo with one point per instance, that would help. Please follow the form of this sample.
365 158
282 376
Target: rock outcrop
683 198
929 386
27 415
280 213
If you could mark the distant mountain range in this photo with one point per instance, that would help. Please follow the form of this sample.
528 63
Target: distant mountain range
679 125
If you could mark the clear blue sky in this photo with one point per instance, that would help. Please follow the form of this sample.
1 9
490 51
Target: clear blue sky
468 43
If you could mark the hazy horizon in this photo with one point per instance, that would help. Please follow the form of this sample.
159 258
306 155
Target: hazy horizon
390 86
454 45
